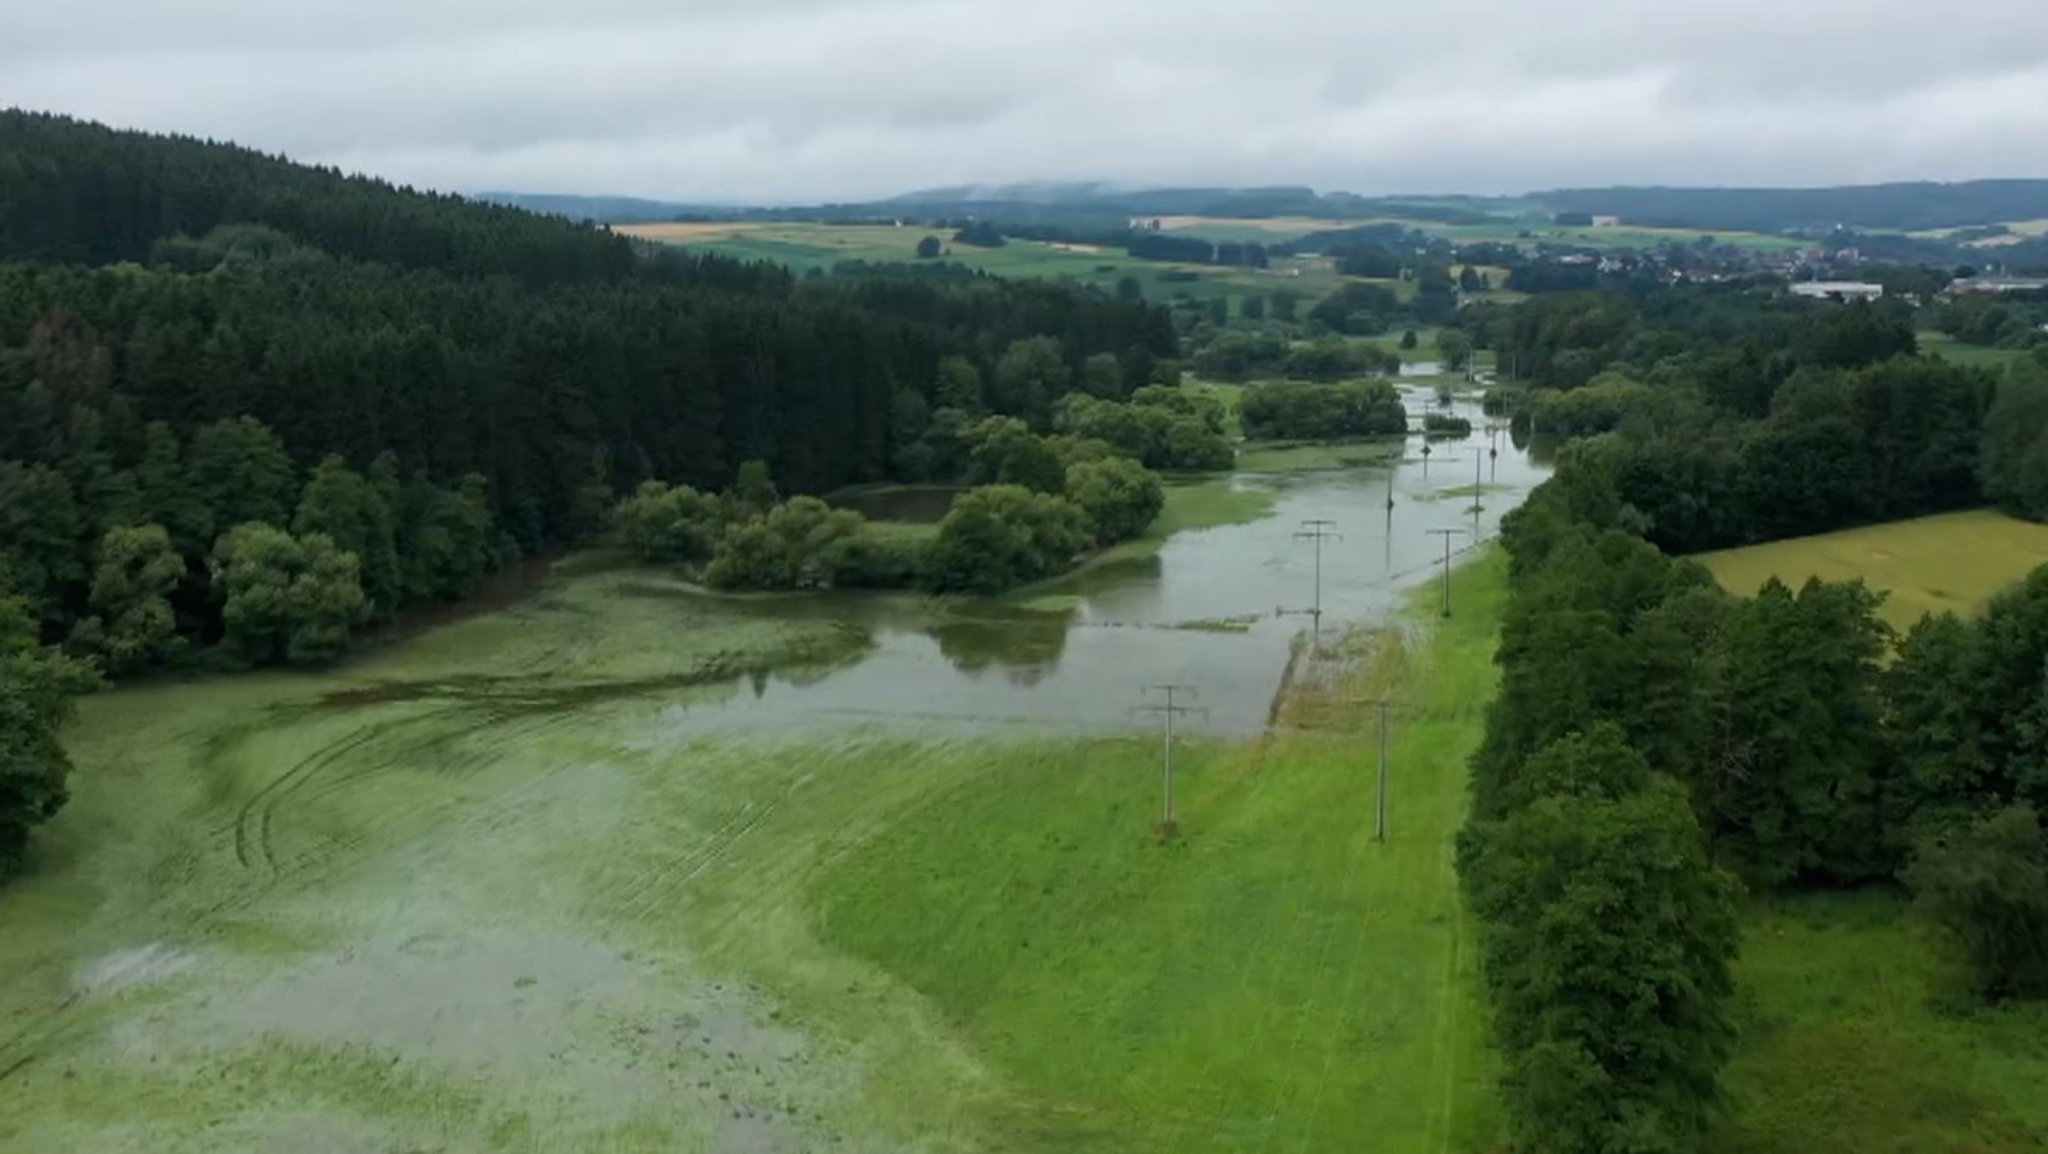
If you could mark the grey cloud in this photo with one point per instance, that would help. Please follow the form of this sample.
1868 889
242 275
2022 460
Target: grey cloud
830 99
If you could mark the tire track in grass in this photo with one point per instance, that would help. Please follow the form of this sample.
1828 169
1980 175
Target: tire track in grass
47 1028
251 834
687 868
246 818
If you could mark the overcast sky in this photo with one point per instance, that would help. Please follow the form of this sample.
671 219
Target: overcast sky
807 100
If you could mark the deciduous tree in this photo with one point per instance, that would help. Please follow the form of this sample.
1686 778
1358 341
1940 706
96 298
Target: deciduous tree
286 599
133 626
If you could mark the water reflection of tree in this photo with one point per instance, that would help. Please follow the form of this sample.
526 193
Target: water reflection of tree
1025 645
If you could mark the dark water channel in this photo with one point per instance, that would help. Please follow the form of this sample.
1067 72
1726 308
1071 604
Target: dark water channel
1202 612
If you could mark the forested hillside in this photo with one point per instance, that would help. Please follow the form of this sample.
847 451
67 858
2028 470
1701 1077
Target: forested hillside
248 402
1907 206
155 280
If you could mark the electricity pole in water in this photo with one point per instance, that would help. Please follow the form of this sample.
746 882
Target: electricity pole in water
1317 531
1447 534
1478 488
1171 710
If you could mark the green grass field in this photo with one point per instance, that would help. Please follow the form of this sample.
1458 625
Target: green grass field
1954 562
806 246
1504 228
1983 356
1846 1044
1271 980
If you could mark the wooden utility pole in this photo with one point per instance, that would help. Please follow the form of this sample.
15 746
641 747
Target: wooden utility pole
1447 534
1171 710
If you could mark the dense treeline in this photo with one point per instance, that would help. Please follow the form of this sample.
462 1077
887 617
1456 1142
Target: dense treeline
80 193
1906 207
1654 737
1037 503
1238 355
1299 412
1194 250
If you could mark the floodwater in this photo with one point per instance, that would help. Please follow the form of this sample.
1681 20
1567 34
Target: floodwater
1216 609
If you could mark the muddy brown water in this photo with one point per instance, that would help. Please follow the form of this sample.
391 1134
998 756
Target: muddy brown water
1216 608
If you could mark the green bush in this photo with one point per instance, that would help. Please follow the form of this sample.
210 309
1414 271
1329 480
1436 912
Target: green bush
1001 536
662 524
1120 497
1445 425
879 558
1986 890
287 599
801 544
1296 411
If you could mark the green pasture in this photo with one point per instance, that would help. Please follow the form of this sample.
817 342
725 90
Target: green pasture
1981 356
806 246
1851 1042
1953 563
1505 228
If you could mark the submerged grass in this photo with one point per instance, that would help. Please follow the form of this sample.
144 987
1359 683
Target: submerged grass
464 894
1309 456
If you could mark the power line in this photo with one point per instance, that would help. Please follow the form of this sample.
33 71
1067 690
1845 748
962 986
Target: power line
1478 489
1384 705
1317 531
1447 534
1169 711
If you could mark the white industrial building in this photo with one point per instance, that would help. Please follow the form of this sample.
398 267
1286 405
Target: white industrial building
1838 290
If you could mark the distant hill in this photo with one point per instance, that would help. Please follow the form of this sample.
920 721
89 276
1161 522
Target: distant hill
1094 206
1064 204
607 209
1906 207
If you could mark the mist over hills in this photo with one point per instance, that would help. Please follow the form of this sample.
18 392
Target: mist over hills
1910 206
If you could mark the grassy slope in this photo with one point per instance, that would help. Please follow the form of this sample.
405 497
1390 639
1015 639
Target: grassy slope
1272 980
1954 562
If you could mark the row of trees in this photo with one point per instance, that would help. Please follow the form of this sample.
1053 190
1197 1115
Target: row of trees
1161 428
1240 355
1302 412
1021 525
1655 738
1195 250
116 508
